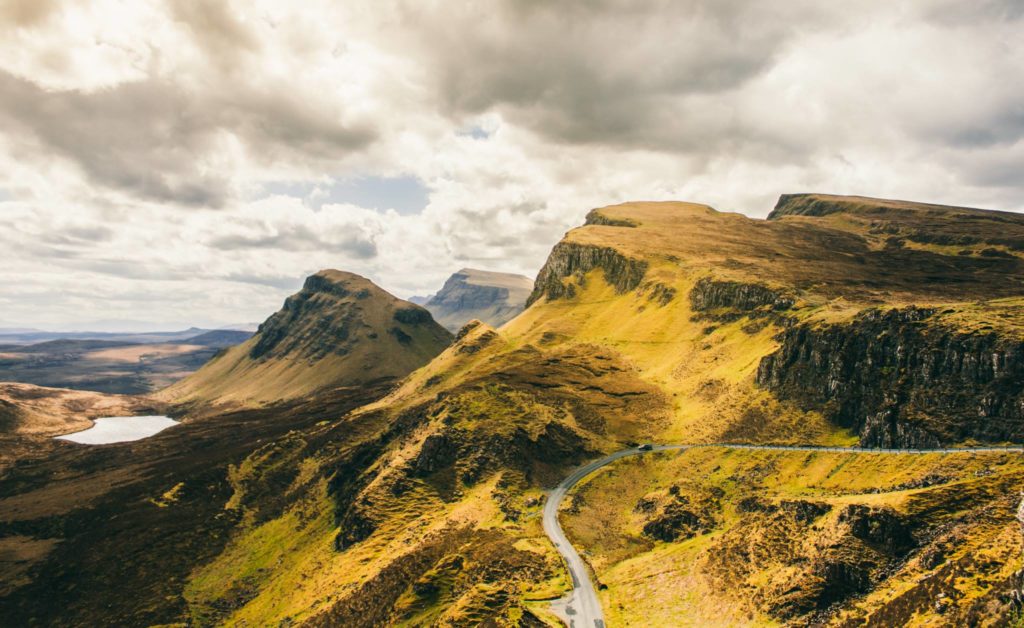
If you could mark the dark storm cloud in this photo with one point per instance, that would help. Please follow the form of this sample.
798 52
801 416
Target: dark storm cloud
142 137
216 29
610 72
24 13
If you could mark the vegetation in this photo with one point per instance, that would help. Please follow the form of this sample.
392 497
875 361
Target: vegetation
651 323
803 536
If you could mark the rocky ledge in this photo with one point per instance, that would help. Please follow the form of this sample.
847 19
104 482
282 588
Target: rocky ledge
899 379
569 259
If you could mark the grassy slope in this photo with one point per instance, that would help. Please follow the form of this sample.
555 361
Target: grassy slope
612 368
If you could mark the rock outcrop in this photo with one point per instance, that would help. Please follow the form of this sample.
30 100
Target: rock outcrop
730 300
573 260
899 380
494 298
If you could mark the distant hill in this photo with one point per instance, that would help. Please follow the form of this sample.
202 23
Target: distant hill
219 338
23 337
67 345
339 330
491 297
110 366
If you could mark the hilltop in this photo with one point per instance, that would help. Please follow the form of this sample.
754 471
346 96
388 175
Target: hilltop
339 330
491 297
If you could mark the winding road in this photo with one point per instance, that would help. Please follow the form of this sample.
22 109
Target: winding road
581 608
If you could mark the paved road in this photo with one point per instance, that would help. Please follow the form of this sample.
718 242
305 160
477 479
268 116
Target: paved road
581 608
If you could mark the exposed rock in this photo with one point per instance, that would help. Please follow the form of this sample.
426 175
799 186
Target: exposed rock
879 526
709 297
900 382
570 259
659 292
494 298
680 517
437 451
467 329
804 512
467 345
412 315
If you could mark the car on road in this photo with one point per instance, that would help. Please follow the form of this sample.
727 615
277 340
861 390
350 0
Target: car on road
645 447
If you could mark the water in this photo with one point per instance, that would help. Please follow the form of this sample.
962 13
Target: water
120 429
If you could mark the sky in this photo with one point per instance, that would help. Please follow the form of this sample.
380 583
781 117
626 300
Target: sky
167 163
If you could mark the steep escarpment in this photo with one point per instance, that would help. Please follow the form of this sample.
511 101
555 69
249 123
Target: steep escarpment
339 330
900 378
649 323
493 298
569 263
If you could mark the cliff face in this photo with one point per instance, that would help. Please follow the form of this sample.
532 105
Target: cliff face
725 300
469 294
899 381
574 260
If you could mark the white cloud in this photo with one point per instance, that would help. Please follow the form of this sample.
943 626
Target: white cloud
139 140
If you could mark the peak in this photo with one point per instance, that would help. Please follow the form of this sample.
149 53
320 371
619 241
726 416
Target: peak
338 276
471 293
341 284
486 275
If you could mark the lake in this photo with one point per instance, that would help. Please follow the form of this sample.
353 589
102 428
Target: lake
120 429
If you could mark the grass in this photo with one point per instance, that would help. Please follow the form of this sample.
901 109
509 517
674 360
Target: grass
614 368
680 583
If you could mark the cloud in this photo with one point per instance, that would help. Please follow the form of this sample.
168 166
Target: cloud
186 160
26 13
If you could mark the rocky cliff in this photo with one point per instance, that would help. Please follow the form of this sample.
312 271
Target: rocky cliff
572 261
898 378
469 294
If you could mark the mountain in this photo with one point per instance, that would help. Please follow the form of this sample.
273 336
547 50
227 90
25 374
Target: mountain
219 338
494 298
839 321
420 300
339 330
